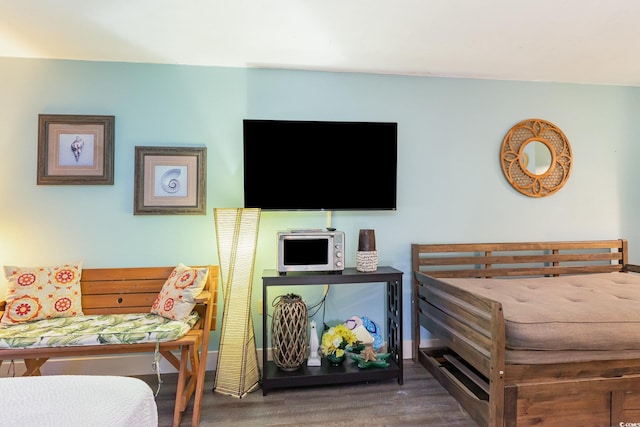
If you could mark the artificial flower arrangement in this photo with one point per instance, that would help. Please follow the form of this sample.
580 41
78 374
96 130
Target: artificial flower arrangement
336 339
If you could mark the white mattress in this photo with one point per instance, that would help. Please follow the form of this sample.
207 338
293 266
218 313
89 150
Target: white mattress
77 401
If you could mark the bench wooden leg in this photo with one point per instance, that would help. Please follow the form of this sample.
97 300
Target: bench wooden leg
200 370
191 376
175 362
188 366
33 366
180 389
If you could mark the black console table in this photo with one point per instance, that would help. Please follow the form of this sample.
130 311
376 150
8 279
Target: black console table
273 377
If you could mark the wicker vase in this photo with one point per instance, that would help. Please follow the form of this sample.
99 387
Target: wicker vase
367 255
289 332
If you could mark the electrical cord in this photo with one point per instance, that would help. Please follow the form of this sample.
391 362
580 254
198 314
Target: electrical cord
316 306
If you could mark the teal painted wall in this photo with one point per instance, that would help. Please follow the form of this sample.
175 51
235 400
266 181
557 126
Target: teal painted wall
451 187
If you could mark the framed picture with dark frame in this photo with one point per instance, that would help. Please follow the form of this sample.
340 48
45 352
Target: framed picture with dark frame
170 181
75 149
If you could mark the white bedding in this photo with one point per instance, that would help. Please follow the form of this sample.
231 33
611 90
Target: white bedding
77 401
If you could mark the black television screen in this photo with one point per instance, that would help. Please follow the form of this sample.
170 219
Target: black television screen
320 165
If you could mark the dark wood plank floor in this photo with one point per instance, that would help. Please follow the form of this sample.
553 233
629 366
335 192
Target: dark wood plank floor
420 401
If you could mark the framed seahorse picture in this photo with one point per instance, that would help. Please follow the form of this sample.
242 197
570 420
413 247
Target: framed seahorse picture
75 149
170 181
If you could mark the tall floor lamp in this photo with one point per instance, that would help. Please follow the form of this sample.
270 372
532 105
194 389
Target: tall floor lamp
237 371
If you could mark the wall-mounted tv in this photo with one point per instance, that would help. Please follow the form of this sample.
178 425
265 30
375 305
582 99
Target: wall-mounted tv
320 165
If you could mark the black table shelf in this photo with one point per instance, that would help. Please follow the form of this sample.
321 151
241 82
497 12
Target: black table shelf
274 377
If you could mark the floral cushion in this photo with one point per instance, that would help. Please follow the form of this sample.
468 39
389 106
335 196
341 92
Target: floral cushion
94 330
177 298
35 293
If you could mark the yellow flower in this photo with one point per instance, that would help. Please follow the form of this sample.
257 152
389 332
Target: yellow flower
336 339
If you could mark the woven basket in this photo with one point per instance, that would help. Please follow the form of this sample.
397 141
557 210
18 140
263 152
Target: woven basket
366 261
289 332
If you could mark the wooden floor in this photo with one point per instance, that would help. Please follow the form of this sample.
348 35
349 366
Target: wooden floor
420 401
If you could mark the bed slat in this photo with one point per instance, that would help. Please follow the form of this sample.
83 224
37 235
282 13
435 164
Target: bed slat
521 259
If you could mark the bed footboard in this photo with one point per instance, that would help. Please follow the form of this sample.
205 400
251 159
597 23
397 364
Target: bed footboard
471 362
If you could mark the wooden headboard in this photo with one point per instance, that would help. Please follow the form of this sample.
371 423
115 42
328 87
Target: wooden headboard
519 259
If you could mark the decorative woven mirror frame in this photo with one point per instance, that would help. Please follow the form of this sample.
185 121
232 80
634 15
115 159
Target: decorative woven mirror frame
516 163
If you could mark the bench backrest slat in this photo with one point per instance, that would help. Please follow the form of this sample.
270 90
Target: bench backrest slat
103 287
124 301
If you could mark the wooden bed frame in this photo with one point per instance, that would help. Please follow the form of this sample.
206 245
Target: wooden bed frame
469 360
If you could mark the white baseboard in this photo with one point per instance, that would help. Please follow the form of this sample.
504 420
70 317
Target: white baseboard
122 364
430 343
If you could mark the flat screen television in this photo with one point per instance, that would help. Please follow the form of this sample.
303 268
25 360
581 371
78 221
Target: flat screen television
320 165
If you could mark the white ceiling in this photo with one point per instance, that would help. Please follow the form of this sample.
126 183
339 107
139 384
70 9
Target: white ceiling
582 41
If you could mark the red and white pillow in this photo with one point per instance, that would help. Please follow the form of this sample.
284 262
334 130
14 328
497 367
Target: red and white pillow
177 298
35 293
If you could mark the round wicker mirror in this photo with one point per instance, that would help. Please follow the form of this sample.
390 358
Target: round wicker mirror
536 157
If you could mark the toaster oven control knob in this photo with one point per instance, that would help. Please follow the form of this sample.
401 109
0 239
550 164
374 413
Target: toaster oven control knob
339 254
339 264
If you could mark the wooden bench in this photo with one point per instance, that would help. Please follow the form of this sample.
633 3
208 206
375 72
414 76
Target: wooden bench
133 290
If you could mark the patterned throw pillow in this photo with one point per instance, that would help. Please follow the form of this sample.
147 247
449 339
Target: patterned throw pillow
35 293
178 294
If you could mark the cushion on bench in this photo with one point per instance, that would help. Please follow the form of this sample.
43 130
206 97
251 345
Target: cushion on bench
35 293
94 330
